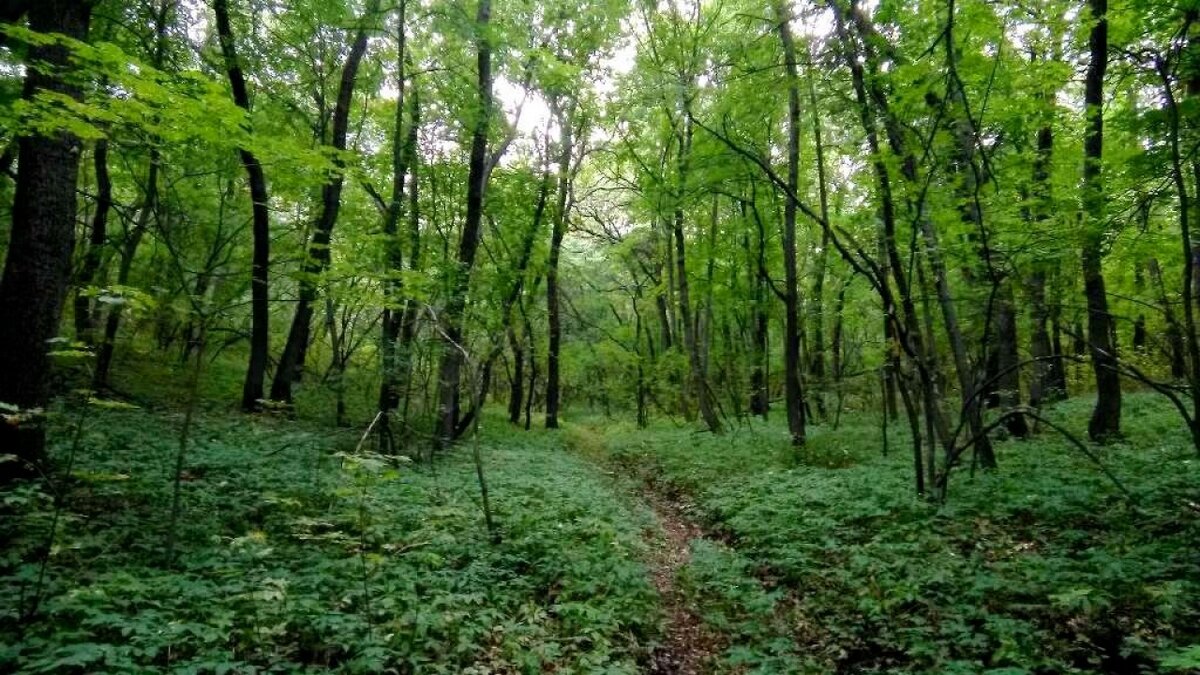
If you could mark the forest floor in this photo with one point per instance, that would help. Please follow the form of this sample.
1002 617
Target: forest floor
621 550
686 645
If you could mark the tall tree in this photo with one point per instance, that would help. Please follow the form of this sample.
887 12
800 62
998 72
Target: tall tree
256 369
793 394
318 256
453 357
37 268
1106 416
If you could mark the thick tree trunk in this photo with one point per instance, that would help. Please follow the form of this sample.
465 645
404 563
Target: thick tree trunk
1106 416
37 269
793 393
450 369
256 368
292 359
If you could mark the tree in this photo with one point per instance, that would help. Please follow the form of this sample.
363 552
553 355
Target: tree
37 268
256 369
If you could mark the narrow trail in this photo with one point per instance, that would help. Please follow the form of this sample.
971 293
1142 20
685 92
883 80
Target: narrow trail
687 645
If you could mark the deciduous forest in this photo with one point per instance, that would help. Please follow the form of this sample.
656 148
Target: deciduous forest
618 336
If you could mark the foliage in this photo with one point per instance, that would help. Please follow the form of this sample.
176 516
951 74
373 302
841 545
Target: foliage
1041 567
296 558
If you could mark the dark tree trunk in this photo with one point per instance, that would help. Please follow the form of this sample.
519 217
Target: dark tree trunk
85 318
516 386
1006 349
553 314
793 393
816 303
698 380
1175 344
1106 416
256 368
393 313
1045 385
971 213
760 395
133 239
37 269
450 369
292 359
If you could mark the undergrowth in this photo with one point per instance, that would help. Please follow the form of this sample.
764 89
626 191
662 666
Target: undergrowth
1042 566
296 554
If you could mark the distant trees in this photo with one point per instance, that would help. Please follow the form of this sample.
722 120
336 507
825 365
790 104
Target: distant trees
694 211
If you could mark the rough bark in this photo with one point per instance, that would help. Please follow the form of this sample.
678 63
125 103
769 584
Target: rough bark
1106 416
38 265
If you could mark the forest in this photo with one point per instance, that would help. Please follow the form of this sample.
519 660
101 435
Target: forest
606 336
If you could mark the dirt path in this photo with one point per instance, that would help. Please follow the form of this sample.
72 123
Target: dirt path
687 646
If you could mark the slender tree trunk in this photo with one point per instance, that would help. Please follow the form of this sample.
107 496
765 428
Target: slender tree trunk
37 268
133 239
450 369
553 314
1106 416
816 302
1042 386
698 380
85 318
393 313
793 393
290 362
256 368
1174 330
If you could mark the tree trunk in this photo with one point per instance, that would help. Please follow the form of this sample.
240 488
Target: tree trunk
393 313
290 362
450 369
1106 416
553 317
256 368
793 393
1043 386
37 269
816 302
85 318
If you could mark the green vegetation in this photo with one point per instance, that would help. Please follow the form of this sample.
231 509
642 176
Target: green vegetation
295 557
590 336
1042 567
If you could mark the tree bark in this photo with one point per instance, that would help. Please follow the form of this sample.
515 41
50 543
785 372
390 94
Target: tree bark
256 368
37 269
793 393
1106 416
393 313
450 369
291 360
553 315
